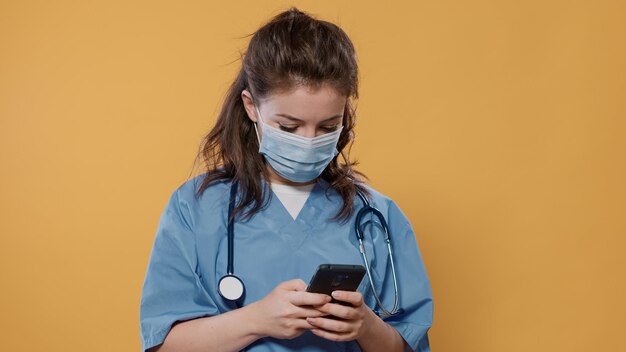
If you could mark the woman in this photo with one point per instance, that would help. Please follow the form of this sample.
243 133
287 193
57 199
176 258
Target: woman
275 147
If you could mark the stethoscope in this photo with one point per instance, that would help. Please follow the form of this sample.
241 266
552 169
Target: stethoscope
232 289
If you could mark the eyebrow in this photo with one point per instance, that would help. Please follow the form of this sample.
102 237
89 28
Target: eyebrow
293 118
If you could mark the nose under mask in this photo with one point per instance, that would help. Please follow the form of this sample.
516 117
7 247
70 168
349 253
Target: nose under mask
297 158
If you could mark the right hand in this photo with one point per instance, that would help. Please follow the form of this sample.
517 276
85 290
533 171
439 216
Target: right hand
282 313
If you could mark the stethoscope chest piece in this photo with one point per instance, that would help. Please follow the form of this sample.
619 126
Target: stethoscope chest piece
231 287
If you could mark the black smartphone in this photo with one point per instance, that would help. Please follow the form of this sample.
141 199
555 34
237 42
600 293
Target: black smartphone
331 277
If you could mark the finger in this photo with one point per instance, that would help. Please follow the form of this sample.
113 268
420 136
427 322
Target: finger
328 335
355 298
308 298
305 312
293 285
340 311
300 285
300 323
332 325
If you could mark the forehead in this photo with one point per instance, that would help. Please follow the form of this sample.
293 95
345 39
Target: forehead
306 103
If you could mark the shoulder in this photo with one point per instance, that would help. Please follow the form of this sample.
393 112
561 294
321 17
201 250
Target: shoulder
190 201
387 206
190 190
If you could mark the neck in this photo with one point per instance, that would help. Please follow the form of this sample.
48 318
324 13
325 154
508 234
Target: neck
276 178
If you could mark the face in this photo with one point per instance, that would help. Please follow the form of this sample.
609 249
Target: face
302 111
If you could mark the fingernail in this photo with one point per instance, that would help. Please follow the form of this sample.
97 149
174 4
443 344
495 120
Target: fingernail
336 294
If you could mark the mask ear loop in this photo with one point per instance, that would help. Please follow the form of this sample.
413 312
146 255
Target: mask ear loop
257 133
255 123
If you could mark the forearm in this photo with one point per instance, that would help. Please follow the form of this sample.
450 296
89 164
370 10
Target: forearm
230 331
380 336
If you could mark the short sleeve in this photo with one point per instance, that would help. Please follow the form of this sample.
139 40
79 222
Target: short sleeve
172 290
415 293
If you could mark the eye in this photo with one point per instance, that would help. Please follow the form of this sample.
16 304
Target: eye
330 128
287 129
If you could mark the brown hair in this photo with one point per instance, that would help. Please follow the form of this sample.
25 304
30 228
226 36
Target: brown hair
292 49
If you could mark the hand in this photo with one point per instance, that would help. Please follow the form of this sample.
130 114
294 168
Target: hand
282 313
353 320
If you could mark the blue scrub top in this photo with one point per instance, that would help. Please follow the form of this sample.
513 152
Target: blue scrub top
190 253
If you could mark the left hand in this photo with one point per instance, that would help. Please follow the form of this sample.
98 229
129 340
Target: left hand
353 320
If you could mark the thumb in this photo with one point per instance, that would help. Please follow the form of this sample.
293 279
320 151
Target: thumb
293 285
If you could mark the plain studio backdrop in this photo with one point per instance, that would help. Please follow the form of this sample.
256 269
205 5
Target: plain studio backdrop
498 127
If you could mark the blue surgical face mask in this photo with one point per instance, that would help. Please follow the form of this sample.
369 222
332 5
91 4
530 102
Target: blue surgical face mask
297 158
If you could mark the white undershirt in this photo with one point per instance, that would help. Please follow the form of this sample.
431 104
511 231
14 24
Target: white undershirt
292 197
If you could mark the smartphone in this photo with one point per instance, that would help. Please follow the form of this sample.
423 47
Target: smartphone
331 277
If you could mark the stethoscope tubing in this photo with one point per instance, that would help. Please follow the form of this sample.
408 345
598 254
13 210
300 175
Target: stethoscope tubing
231 231
358 227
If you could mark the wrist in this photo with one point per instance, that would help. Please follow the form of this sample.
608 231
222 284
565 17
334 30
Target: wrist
253 317
371 322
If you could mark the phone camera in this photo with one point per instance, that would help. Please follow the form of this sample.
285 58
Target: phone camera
338 280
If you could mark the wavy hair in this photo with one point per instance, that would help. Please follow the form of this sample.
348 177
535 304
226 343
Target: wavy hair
292 49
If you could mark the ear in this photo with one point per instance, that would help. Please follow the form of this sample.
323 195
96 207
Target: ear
246 97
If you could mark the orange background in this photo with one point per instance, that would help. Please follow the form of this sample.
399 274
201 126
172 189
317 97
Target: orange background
498 127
